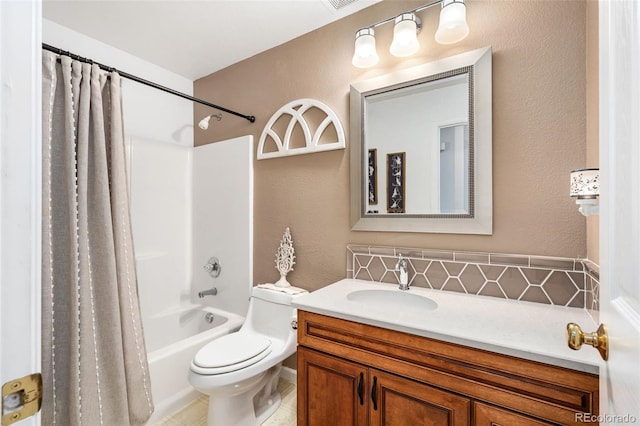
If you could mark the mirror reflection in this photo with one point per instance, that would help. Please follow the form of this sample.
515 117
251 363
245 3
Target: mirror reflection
421 148
416 141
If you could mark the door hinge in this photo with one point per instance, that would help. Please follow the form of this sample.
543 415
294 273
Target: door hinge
21 398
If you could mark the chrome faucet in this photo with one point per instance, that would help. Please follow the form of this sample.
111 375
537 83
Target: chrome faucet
402 266
211 292
213 267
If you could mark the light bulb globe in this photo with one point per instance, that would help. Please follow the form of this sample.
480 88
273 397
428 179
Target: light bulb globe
453 23
405 36
365 54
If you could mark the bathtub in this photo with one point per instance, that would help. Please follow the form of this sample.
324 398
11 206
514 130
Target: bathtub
173 337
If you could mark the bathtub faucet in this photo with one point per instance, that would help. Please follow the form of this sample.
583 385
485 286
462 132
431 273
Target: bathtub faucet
211 292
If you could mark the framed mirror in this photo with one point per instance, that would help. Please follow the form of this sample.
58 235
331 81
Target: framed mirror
421 148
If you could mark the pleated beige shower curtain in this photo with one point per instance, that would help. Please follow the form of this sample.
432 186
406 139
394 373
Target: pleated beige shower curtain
95 369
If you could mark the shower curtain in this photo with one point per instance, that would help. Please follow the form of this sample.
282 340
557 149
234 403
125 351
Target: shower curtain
94 363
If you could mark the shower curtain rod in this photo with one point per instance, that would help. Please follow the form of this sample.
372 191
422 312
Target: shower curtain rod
58 51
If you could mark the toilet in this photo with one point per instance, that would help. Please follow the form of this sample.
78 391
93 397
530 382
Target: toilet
240 371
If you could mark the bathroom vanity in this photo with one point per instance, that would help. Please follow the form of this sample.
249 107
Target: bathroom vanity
367 356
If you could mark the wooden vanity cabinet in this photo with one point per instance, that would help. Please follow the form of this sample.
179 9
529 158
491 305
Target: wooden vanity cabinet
356 374
487 415
333 390
341 392
396 400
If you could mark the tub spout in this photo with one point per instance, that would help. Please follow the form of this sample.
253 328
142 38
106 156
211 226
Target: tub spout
211 292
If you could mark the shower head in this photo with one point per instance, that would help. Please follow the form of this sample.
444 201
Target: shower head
204 123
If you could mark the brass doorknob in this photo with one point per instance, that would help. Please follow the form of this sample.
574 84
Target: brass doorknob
576 337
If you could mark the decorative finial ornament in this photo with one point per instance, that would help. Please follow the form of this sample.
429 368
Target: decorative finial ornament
285 258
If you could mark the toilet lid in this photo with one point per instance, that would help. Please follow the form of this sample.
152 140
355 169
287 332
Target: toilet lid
233 350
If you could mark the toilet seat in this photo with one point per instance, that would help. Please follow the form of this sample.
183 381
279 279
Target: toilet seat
230 353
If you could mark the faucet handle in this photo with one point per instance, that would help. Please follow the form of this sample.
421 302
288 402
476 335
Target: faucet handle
213 267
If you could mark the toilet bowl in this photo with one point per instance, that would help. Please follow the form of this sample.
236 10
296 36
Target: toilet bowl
240 371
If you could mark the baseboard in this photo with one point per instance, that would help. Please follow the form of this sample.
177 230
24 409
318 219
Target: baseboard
289 374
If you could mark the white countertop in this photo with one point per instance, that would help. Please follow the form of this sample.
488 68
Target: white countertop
528 330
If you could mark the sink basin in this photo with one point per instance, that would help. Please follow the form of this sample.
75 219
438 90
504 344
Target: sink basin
396 300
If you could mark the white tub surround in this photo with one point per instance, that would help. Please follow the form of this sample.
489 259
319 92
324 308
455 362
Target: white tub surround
222 222
189 204
527 330
159 174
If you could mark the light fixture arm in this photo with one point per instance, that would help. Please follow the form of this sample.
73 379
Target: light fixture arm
417 9
416 19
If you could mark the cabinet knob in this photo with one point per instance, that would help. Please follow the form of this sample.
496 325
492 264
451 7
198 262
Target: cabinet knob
599 340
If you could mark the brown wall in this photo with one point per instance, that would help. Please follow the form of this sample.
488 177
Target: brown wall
539 132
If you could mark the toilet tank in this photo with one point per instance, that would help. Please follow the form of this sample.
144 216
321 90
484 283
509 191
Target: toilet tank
270 313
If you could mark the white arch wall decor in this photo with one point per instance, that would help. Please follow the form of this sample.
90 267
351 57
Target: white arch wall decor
296 110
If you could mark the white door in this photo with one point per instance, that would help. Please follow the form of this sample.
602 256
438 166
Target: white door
20 111
620 208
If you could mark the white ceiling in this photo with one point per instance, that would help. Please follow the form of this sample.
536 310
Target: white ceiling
196 38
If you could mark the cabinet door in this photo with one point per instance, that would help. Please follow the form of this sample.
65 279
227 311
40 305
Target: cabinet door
331 391
486 415
396 401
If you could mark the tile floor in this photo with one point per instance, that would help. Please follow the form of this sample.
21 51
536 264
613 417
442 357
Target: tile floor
195 414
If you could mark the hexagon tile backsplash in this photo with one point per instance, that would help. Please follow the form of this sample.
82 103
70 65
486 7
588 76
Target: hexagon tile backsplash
550 280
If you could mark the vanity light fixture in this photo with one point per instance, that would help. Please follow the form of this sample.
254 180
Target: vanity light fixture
453 22
405 35
585 187
365 54
452 28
